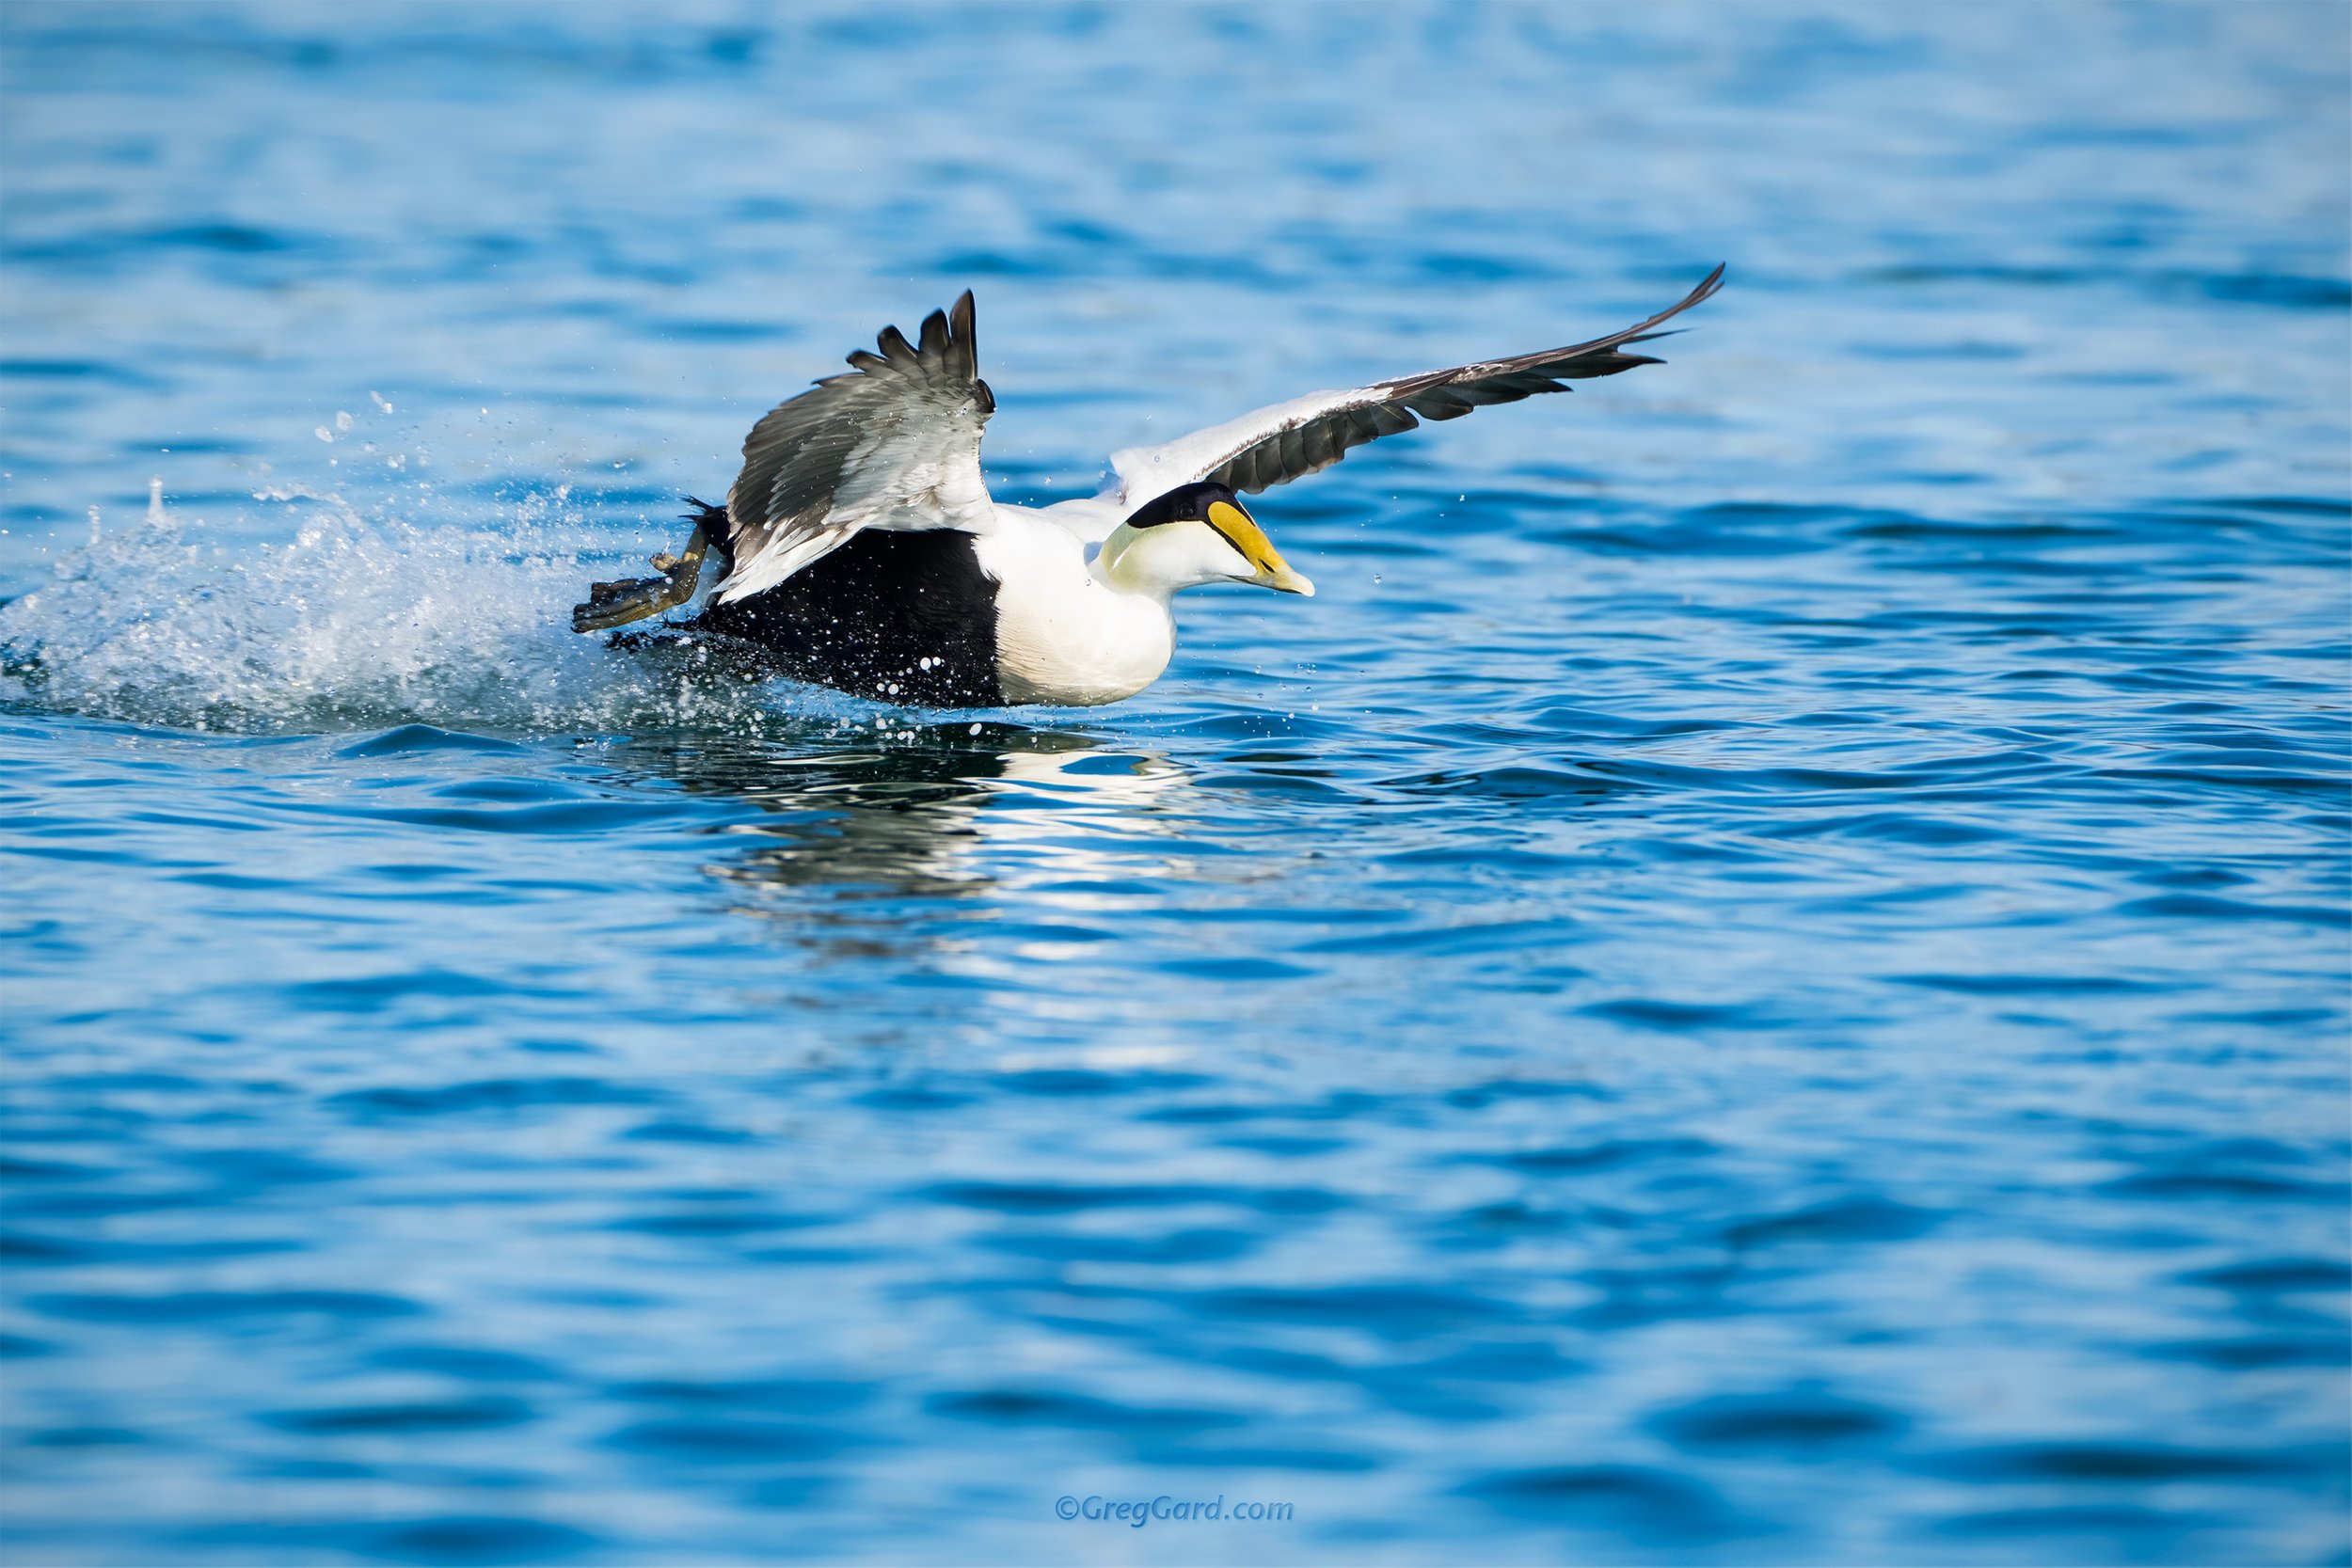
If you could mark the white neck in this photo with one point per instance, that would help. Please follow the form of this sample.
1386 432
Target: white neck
1156 562
1068 631
1125 584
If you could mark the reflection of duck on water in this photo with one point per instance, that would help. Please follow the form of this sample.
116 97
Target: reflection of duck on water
941 811
862 550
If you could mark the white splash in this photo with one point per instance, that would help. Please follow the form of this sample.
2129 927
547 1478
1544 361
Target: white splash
351 624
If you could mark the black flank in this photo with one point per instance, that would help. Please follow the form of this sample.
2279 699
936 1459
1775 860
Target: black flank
864 618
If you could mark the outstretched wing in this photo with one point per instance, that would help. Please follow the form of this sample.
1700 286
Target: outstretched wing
1277 445
895 443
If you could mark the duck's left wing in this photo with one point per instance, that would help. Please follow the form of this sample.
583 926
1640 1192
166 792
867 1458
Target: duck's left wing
1277 445
895 443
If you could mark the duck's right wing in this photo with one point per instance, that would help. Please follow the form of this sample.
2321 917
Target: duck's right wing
895 443
1277 445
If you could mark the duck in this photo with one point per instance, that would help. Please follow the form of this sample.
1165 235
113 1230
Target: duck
859 548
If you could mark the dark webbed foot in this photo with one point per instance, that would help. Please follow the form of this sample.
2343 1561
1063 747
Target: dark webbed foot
617 604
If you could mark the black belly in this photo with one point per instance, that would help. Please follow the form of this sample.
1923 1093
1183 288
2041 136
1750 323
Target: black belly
908 617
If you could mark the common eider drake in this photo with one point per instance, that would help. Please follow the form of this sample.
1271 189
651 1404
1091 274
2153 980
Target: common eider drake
861 549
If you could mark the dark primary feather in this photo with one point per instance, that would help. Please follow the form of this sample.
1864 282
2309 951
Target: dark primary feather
1388 407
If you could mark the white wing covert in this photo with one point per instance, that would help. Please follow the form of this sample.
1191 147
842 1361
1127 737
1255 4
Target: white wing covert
1307 435
895 443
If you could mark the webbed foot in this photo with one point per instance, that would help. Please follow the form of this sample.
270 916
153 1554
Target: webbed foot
617 604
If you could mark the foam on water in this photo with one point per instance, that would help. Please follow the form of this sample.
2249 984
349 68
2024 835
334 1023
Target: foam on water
352 622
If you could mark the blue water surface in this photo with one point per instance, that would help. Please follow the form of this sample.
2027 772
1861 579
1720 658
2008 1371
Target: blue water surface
1760 978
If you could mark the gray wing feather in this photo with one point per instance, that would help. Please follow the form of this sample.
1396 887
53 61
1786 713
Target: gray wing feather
893 443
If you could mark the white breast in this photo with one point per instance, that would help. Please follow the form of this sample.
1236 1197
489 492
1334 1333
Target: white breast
1062 635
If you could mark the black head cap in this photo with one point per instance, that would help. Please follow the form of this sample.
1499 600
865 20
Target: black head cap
1187 503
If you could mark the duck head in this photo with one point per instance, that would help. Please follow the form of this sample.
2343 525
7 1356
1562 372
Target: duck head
1194 534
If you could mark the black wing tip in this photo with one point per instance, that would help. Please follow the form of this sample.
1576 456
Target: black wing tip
1643 332
1706 289
962 333
944 333
934 334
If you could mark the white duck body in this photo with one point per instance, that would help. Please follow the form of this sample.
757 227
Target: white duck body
1065 633
1081 632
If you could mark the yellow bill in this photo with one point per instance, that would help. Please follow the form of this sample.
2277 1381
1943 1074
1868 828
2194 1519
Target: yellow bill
1242 532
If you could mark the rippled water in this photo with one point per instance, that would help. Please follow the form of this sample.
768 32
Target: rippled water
1760 978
